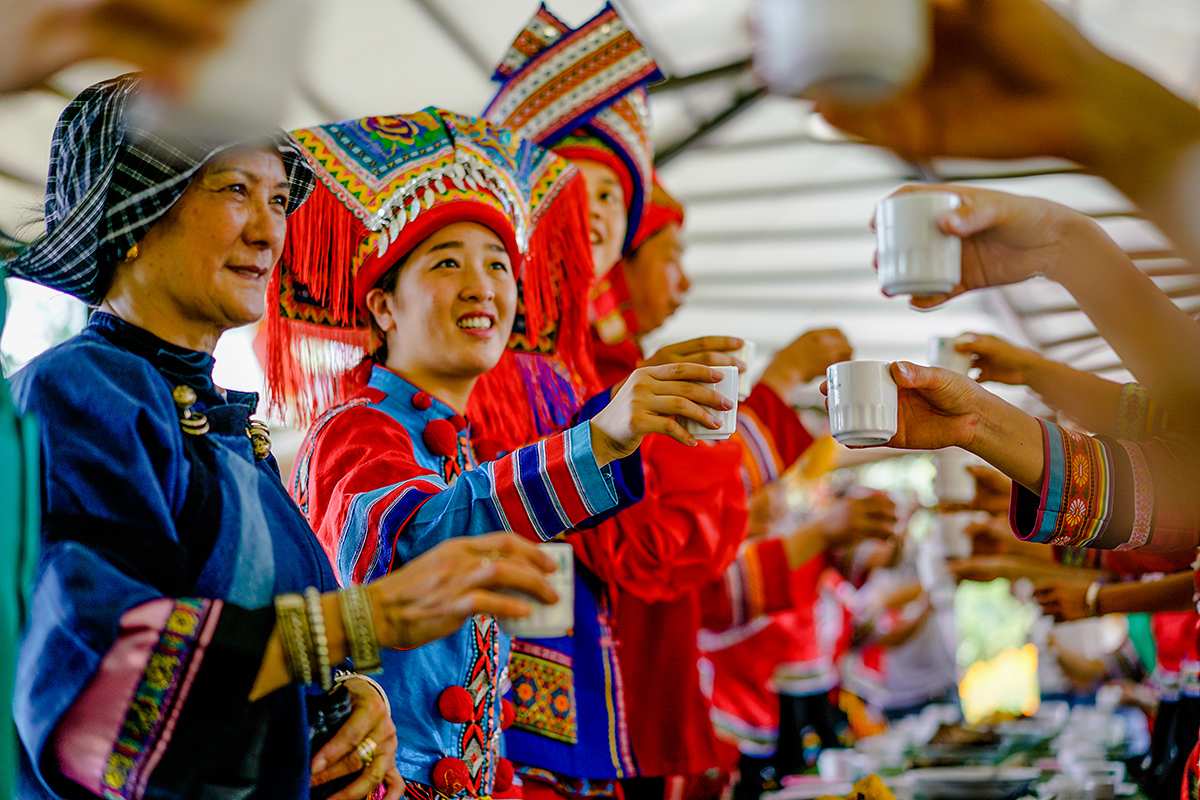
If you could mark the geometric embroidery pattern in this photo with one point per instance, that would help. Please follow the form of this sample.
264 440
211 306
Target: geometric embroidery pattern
543 692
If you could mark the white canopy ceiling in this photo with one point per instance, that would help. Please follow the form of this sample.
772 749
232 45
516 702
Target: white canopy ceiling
777 204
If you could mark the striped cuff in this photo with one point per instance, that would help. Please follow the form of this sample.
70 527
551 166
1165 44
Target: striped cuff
1076 502
758 581
546 488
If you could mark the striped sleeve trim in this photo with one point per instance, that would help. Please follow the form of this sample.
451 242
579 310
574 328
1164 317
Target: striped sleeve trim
757 582
762 460
367 544
546 488
1076 503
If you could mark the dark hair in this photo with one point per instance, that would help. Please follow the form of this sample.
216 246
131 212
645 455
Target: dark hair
387 283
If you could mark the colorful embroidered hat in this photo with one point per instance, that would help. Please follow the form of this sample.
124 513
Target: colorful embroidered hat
582 93
385 185
111 178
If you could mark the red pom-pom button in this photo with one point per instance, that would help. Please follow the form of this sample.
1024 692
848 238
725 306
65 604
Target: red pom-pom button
454 704
504 775
459 422
451 776
422 401
508 714
441 438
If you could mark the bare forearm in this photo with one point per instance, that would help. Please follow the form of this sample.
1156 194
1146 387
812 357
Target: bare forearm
1088 399
273 674
1156 341
1172 593
1011 441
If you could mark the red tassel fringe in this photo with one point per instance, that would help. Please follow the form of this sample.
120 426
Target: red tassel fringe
557 275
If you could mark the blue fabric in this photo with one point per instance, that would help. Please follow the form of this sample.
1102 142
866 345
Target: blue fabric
119 530
414 679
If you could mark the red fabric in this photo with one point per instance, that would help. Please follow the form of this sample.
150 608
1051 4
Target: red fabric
757 583
1174 637
1137 562
661 210
685 531
785 436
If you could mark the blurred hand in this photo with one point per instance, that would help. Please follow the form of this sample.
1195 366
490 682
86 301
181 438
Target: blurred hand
650 401
715 351
1063 600
982 568
1007 79
434 594
990 538
998 360
1009 238
337 758
766 509
848 520
805 359
166 38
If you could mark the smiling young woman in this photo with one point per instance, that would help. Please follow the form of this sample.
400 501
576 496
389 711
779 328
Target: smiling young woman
389 472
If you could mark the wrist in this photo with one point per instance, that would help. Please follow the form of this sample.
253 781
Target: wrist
603 448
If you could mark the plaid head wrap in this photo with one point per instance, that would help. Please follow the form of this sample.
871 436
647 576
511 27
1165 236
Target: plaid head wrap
582 93
386 185
111 179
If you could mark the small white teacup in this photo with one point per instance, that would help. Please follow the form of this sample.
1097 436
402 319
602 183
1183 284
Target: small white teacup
549 621
728 387
863 402
914 256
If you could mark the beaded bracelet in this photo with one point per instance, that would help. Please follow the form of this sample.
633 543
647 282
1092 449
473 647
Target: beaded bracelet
316 624
291 616
361 641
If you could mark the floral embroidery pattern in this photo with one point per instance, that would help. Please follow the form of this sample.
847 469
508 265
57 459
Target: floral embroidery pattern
153 699
1087 491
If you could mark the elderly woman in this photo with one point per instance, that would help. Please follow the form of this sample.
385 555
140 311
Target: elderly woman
184 618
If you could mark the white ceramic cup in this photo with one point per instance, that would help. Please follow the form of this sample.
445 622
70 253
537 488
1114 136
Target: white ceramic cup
914 257
728 387
863 402
549 621
951 481
852 51
942 354
745 354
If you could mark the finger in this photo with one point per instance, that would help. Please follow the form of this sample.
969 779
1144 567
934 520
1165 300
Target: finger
367 711
699 393
684 371
364 785
394 785
384 736
506 545
511 575
670 406
708 343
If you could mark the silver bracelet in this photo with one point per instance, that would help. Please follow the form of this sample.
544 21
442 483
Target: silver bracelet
342 677
291 619
316 624
362 644
1091 598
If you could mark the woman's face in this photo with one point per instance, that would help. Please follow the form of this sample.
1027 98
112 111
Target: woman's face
205 265
608 218
447 321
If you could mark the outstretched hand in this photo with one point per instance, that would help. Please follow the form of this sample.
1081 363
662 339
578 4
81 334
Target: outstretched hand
435 593
804 359
1009 238
997 360
650 401
714 351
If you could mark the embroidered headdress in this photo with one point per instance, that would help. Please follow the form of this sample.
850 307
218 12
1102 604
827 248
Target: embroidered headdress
582 93
386 184
111 178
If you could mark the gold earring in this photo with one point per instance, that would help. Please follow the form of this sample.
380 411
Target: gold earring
131 253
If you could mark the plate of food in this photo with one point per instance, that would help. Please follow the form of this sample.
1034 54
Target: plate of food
973 783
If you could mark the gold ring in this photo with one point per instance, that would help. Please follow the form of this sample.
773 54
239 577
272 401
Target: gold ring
490 556
366 751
